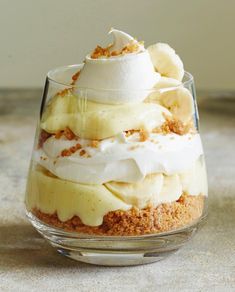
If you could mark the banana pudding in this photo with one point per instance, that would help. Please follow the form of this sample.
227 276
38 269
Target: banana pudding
118 149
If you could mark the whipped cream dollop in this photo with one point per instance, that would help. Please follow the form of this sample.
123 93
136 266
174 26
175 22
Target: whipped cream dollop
121 78
121 158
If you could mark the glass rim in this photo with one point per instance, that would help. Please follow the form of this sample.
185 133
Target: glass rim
189 80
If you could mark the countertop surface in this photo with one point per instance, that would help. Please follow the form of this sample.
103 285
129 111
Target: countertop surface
28 263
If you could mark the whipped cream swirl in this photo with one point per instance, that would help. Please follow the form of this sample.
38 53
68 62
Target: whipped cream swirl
119 79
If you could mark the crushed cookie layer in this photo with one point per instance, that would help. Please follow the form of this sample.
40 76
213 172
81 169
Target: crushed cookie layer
165 217
171 125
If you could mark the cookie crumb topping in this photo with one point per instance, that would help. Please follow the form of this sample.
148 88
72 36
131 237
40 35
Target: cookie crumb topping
107 52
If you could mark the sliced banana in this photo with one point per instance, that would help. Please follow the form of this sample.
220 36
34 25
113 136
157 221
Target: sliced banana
166 61
155 189
171 190
167 82
138 194
177 99
194 181
163 85
179 102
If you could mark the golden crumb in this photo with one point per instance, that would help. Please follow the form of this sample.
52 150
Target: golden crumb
64 92
144 135
75 77
173 125
94 143
114 53
71 150
100 52
130 132
107 52
59 134
69 134
65 152
130 48
83 153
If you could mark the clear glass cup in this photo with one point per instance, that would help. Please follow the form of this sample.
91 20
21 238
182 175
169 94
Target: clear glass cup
120 184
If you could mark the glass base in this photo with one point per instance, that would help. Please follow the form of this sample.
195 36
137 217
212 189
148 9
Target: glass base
115 250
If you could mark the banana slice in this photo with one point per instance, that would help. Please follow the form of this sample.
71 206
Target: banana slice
167 82
179 102
138 194
171 190
155 189
166 61
194 181
177 99
163 85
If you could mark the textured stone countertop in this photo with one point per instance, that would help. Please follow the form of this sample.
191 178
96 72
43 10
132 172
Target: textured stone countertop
28 263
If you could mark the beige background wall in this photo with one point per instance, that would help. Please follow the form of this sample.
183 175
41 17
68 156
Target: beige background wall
39 35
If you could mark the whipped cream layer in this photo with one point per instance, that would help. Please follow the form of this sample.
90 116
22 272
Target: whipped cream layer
121 158
118 79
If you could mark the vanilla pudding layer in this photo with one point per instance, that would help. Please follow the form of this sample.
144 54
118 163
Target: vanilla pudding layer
92 120
91 202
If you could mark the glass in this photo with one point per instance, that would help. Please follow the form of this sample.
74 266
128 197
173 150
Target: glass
119 184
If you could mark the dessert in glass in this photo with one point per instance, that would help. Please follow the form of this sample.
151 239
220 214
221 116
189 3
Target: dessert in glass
117 175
